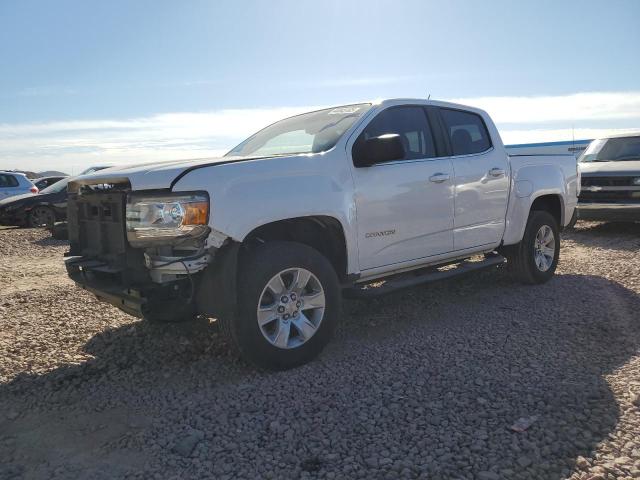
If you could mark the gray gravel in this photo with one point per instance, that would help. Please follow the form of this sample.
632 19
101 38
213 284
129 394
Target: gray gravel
427 383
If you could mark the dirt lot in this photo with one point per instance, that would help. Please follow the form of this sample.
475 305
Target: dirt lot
421 384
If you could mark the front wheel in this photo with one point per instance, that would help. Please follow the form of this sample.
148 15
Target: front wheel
535 258
41 216
288 305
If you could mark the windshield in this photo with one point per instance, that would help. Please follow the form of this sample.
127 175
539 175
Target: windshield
612 150
57 187
312 132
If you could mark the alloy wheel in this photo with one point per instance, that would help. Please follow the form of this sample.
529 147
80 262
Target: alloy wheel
544 247
291 308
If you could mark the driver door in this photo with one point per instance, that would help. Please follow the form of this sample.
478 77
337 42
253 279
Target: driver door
404 207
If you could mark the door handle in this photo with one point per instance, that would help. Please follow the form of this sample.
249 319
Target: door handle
496 172
439 177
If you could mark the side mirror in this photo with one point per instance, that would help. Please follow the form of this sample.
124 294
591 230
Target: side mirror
385 148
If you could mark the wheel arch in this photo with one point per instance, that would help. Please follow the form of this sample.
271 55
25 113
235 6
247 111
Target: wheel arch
323 233
552 203
520 207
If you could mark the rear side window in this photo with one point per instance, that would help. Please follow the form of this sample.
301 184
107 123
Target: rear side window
8 181
408 122
467 132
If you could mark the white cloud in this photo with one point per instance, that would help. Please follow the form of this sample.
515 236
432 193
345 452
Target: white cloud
512 137
551 118
73 145
581 107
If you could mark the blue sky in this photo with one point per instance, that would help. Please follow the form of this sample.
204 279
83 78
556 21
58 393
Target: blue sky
87 81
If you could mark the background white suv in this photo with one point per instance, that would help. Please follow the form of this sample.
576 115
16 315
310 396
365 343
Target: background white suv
12 183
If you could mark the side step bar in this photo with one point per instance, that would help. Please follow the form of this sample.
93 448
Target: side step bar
390 284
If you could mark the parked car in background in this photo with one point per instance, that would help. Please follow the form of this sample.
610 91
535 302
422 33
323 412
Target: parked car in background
359 199
36 210
45 182
610 169
13 183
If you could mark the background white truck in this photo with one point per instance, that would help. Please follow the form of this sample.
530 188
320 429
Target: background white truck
610 170
268 238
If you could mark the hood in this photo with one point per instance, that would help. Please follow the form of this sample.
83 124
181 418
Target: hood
625 167
151 176
17 198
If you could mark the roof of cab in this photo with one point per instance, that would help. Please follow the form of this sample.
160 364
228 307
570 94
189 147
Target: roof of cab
424 101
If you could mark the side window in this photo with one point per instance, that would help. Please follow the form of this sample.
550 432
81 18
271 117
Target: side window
408 122
467 132
8 181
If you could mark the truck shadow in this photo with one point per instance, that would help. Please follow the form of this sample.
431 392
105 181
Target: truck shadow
444 370
51 242
614 235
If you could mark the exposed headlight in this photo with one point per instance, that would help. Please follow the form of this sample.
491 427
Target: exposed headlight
166 219
636 181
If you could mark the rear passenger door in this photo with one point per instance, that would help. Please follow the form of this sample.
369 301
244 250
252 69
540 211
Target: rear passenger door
481 180
404 208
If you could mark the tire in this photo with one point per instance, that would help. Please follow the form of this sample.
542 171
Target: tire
41 216
524 260
291 332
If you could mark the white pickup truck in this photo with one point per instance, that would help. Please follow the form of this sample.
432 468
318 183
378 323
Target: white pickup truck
360 199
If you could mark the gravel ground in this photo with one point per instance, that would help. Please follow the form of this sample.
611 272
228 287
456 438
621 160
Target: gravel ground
425 383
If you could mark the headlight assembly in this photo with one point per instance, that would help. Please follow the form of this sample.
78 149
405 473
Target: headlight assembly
166 219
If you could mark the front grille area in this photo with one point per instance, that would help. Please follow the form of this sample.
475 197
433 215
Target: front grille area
97 234
102 261
609 189
608 181
97 224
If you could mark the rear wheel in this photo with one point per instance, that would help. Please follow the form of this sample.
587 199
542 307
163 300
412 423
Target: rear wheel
41 216
535 258
288 305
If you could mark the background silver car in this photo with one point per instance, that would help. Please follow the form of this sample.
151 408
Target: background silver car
43 182
13 183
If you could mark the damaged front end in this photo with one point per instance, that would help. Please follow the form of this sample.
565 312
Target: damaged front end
144 252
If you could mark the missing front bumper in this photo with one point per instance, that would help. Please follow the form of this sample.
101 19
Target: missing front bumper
98 278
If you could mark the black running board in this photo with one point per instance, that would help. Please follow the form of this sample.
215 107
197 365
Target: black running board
393 283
